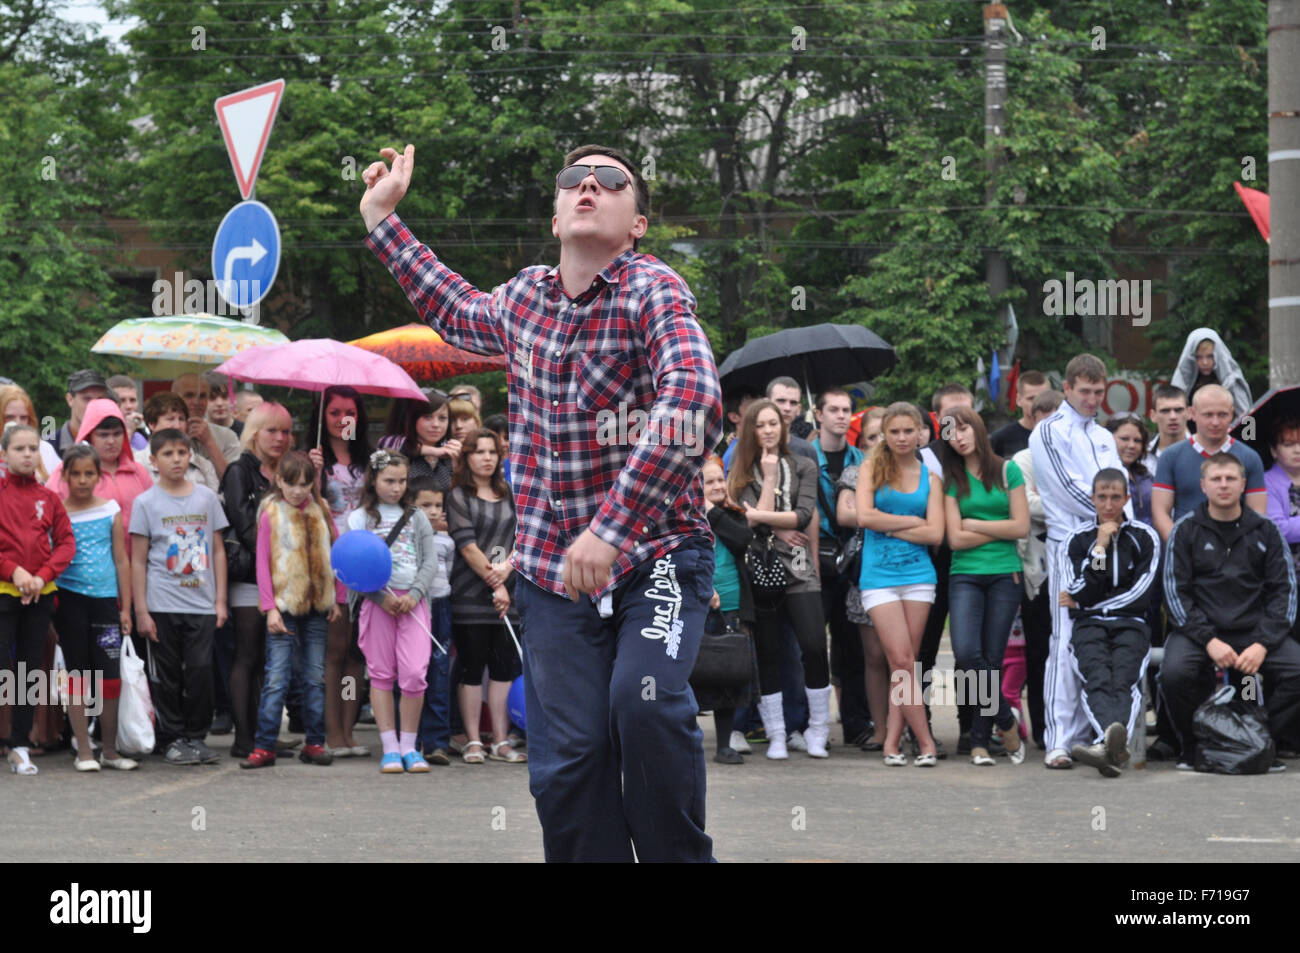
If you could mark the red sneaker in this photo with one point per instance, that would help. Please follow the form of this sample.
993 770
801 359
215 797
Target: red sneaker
260 758
315 754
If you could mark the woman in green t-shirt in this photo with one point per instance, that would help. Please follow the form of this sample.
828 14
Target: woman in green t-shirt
986 511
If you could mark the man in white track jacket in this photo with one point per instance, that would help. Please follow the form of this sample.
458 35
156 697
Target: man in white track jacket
1068 449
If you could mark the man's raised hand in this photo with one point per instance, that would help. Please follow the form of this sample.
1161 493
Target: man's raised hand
385 187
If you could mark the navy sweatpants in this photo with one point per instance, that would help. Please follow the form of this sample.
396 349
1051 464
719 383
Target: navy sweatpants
615 756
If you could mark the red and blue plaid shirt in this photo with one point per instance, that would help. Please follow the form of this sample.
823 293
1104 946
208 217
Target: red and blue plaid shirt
613 397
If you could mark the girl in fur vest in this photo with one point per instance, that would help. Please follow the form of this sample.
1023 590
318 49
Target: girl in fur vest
300 596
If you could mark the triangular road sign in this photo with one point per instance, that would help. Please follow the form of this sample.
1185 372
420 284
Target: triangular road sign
246 118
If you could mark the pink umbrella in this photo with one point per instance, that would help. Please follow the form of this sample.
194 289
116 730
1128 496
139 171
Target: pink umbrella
319 363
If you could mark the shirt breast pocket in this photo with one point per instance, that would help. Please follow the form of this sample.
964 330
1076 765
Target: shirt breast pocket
605 380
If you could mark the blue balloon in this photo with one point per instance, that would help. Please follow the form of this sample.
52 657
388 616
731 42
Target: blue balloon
361 561
515 703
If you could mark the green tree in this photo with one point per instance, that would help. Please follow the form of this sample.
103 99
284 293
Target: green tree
56 293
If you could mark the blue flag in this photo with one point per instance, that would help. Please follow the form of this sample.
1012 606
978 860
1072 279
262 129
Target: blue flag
995 377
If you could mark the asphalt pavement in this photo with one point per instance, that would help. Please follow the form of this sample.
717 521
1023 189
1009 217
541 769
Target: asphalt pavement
849 807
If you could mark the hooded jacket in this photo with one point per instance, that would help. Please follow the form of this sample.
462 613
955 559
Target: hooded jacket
122 484
35 532
1237 585
1225 369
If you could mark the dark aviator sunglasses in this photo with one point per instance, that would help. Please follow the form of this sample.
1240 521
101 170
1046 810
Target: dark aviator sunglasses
610 177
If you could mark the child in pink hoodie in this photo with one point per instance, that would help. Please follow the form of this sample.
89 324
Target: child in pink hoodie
121 478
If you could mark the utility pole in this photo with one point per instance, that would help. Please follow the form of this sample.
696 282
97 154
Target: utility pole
1284 192
995 97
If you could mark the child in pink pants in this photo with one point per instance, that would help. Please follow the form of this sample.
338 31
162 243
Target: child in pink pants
394 622
1014 671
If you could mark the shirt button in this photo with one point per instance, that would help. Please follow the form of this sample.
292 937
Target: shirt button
556 352
555 453
643 529
555 403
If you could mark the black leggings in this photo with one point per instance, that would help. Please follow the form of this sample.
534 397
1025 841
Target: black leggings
90 636
25 628
803 610
247 672
480 644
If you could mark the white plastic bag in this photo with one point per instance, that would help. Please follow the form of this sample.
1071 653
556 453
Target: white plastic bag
135 718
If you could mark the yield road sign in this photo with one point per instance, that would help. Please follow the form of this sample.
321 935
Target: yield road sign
246 254
246 118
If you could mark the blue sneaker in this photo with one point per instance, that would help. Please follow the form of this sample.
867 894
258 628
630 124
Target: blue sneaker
391 763
414 763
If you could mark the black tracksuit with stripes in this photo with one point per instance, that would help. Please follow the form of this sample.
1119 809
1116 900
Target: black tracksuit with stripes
1110 636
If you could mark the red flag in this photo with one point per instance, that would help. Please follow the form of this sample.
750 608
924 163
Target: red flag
1013 378
1256 203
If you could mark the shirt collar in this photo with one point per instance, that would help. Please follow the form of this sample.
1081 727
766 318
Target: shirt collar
611 274
1196 445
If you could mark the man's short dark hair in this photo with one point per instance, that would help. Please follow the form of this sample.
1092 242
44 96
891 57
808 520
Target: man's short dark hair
639 187
121 380
1168 392
1223 459
832 392
783 382
162 438
1087 366
1110 475
163 402
1032 379
948 390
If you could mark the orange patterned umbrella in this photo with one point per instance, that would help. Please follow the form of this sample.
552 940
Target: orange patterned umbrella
419 351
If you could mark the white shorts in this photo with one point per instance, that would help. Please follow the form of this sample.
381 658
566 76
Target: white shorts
923 592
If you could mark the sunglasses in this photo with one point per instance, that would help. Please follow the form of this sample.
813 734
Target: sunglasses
611 177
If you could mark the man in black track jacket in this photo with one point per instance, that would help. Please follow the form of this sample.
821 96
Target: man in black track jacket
1114 563
1231 592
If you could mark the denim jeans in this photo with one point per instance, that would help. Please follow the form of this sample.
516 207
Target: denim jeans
615 756
981 609
299 655
435 716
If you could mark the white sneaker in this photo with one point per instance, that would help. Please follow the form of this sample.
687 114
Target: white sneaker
739 744
795 742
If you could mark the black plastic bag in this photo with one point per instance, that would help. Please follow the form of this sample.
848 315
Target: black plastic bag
1232 735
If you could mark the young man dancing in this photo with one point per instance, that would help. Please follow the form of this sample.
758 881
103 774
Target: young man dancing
613 549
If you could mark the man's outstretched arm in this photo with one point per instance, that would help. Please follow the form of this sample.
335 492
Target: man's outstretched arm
463 315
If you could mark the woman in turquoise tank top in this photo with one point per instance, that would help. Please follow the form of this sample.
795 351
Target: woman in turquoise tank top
900 508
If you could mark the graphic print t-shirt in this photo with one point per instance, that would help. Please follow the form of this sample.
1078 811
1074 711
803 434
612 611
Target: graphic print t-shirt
181 531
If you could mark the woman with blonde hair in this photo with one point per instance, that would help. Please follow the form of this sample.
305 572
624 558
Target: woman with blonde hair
267 436
900 509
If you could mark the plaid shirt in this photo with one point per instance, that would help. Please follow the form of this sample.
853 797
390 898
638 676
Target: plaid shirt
613 398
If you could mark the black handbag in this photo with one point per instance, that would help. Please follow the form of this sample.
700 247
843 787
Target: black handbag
725 660
846 561
239 561
763 563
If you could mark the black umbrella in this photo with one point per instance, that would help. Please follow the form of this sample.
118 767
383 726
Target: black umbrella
821 356
1255 428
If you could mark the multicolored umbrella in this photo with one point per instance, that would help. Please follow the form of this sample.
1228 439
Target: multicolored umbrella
171 345
423 354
